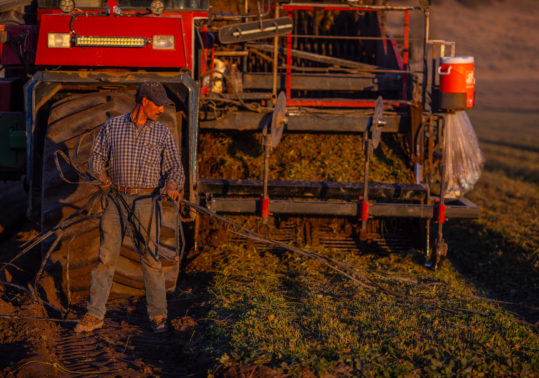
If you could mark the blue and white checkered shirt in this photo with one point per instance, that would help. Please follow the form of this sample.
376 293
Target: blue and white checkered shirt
144 158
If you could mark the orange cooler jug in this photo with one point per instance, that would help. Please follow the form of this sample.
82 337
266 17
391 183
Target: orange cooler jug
457 82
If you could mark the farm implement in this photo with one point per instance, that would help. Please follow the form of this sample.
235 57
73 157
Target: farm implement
327 118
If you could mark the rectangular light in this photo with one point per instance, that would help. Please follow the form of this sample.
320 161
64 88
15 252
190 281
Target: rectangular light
163 42
59 40
87 41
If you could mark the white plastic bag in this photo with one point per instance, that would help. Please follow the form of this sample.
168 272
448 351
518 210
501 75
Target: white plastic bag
462 155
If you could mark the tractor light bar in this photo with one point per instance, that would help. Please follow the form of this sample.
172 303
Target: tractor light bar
87 41
59 40
163 42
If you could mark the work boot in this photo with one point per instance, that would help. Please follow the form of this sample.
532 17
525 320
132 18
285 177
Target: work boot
88 323
159 324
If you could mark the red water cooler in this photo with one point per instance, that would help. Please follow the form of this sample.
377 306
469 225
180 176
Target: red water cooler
457 82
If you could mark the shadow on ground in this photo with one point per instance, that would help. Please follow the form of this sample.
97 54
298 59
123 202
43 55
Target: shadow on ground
11 353
501 269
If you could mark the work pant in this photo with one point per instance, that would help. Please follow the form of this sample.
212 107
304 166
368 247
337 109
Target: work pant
112 232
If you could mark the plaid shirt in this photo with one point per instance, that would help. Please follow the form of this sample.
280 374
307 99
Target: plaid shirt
144 158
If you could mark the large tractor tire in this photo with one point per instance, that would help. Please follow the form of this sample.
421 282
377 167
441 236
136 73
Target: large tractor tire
73 123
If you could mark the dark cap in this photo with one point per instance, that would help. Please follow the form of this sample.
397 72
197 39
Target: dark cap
154 91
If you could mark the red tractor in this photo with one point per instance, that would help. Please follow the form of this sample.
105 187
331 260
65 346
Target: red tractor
287 70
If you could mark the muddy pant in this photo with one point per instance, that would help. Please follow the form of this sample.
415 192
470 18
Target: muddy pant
112 234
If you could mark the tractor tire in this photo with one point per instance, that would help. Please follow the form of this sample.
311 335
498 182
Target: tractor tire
73 123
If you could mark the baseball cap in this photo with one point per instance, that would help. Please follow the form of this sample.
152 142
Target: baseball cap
154 91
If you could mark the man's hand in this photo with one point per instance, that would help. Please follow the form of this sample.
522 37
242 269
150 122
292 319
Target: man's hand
105 183
172 192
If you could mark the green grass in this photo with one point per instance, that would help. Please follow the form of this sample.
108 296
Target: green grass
499 252
293 314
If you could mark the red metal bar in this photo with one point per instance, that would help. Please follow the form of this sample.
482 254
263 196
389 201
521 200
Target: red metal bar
265 207
204 68
364 209
328 103
406 37
288 61
405 54
2 28
204 60
441 213
212 68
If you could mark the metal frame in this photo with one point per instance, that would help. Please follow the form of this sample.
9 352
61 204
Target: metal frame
458 208
403 114
346 8
311 189
300 121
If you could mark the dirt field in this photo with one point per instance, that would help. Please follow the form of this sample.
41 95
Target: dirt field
238 312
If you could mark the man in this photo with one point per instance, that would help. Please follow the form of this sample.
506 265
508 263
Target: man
142 158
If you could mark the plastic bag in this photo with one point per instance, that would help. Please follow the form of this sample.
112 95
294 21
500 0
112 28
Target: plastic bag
462 155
